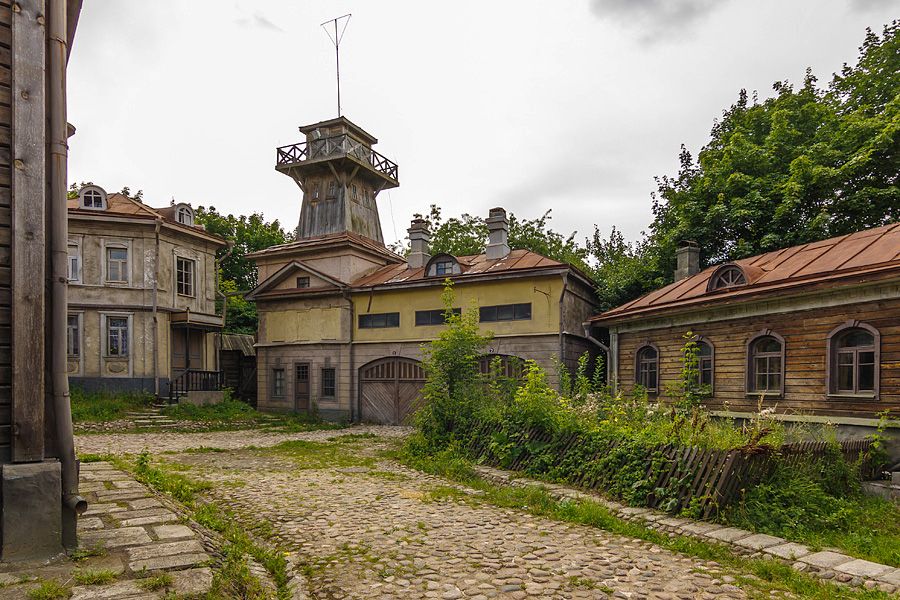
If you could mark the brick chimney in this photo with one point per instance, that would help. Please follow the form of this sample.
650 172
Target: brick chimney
498 234
419 237
688 259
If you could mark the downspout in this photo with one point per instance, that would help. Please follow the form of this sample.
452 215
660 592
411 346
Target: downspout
228 250
155 300
562 320
355 411
57 55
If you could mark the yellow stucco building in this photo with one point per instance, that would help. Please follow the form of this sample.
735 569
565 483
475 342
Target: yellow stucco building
343 319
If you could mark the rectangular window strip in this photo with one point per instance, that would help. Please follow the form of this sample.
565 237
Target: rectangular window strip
328 382
184 276
505 312
433 317
117 336
117 265
379 320
73 263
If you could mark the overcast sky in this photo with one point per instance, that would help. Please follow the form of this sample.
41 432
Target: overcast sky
529 105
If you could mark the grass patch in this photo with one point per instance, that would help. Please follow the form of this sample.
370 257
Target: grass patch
758 577
80 554
321 455
102 407
49 590
235 414
156 582
94 577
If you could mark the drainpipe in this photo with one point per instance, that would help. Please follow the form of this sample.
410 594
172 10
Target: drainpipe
357 413
73 504
228 251
562 321
155 300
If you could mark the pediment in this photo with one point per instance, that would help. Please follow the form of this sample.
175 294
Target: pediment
288 278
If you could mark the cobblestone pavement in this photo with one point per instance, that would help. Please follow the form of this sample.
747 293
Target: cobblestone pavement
371 528
133 535
124 443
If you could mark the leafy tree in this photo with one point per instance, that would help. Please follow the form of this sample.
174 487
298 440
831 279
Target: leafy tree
249 234
237 272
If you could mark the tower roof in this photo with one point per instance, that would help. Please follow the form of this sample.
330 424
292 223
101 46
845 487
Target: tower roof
340 122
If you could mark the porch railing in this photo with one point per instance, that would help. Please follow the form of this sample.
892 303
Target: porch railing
193 380
335 146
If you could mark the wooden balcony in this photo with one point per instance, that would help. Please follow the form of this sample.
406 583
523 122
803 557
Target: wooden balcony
342 147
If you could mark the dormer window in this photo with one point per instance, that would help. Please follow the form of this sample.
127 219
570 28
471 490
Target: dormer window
443 265
92 197
728 276
185 215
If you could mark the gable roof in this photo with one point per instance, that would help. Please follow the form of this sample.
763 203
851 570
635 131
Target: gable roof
832 261
266 287
320 242
119 205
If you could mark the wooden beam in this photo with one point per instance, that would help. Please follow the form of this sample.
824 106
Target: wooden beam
28 228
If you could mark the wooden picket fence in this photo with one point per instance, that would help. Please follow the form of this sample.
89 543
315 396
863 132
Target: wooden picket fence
681 476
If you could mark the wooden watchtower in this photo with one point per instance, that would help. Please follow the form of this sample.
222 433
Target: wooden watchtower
340 176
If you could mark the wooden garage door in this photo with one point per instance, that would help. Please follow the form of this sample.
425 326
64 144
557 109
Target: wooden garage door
390 390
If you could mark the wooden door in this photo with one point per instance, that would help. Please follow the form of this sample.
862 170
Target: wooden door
196 345
179 351
187 349
301 387
390 390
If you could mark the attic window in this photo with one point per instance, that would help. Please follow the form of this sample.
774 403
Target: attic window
185 215
727 277
443 265
303 282
93 198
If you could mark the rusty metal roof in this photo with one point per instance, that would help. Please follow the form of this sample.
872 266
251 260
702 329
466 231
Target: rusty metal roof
120 205
477 265
849 256
240 342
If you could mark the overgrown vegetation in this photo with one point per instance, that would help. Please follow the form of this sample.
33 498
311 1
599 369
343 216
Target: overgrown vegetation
97 407
621 441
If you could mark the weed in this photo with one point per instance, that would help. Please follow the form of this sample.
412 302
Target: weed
100 407
49 590
87 552
94 577
153 583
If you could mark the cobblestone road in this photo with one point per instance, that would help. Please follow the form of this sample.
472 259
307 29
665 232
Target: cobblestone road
373 529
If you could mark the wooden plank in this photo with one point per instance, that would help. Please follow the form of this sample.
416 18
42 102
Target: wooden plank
29 243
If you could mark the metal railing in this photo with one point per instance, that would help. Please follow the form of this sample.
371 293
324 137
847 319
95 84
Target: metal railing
193 380
335 146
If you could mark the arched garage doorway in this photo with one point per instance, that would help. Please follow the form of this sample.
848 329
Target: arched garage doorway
390 390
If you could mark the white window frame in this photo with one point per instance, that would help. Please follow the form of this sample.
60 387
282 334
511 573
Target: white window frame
93 191
105 317
74 275
193 276
78 340
116 245
187 212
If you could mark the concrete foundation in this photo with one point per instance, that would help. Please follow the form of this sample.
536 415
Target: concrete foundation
31 517
199 398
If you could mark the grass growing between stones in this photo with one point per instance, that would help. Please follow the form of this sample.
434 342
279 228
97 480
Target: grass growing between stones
156 582
233 578
757 577
341 452
236 414
94 577
49 590
102 407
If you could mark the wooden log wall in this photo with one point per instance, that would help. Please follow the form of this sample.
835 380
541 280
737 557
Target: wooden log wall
5 227
805 334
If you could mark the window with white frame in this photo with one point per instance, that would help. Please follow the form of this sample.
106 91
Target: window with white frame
93 198
184 276
185 215
117 336
117 264
74 262
73 336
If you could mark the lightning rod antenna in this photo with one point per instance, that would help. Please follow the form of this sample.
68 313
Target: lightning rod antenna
336 40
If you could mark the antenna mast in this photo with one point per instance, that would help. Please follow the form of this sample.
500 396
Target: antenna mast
336 39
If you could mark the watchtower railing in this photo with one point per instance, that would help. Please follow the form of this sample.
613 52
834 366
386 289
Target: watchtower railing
335 146
193 380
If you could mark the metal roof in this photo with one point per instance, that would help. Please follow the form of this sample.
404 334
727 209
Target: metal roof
865 252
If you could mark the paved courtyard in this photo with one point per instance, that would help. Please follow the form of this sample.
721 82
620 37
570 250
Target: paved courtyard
363 526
